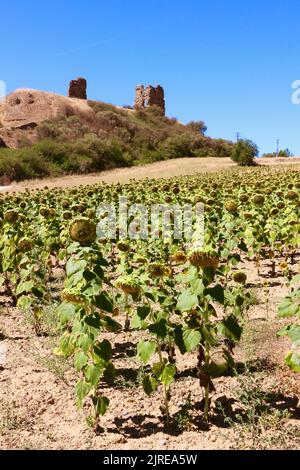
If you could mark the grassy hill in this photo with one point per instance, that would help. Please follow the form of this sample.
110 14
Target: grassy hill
109 137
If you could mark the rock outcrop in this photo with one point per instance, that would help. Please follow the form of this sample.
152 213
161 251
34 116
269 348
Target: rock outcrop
23 110
77 88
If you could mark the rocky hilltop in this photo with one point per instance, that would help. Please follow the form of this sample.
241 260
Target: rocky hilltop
24 109
45 134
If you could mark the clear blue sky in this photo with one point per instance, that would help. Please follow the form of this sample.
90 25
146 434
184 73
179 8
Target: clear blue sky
226 62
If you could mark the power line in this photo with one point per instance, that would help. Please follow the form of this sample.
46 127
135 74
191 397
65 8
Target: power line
277 147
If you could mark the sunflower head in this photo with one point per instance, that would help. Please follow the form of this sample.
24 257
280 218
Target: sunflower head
128 285
73 296
202 259
231 206
156 270
240 277
67 215
82 230
292 195
45 212
11 216
258 199
179 257
123 246
24 245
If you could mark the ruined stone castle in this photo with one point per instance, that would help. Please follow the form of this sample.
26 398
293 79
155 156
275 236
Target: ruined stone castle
149 96
144 97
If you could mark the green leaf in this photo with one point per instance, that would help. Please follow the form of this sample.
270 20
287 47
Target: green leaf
149 384
93 320
93 374
74 266
103 350
159 329
82 389
80 360
178 336
101 405
103 302
109 373
88 275
288 308
143 312
187 301
145 350
191 339
292 359
24 302
110 325
216 293
66 312
168 374
66 346
157 369
38 292
84 342
24 287
230 328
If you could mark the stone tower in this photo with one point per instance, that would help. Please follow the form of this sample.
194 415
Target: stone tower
77 88
150 96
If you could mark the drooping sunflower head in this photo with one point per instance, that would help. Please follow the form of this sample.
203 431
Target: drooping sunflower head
67 215
202 259
244 198
11 216
231 206
156 270
240 277
45 212
73 296
123 246
24 245
179 257
259 199
128 285
280 205
292 195
82 230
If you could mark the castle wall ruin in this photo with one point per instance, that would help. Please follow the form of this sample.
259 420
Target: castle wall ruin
150 96
77 88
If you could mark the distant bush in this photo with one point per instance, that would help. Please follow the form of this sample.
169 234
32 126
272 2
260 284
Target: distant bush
282 154
197 126
244 152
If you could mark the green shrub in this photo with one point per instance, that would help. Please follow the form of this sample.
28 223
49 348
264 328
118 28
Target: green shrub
244 152
197 126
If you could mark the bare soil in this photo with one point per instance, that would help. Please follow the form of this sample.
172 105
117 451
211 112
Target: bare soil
164 169
37 406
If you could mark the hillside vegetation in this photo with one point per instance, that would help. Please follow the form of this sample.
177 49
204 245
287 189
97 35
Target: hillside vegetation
108 138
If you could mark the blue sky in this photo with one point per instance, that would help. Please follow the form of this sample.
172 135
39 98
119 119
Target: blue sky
228 63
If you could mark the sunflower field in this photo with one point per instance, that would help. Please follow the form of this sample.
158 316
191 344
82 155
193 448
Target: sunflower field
181 301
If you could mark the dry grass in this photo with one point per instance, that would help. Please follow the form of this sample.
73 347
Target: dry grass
163 169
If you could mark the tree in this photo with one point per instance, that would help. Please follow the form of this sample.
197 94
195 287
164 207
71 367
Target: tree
244 152
198 126
285 153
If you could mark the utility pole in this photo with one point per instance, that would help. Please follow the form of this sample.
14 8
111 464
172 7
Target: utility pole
277 148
